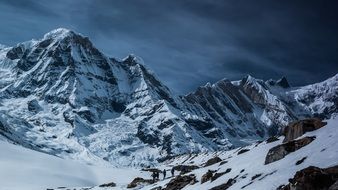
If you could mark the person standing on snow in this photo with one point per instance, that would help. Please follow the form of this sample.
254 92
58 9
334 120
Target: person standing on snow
172 172
164 174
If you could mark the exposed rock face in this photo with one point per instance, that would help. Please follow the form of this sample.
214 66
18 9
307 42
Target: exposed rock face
212 161
280 151
313 178
283 82
112 184
185 168
217 175
179 182
297 129
137 181
34 106
207 176
224 186
243 151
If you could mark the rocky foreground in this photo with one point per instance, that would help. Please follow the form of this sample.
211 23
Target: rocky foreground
304 157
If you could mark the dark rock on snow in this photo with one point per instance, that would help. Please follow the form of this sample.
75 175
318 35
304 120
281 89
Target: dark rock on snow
138 181
179 182
280 151
225 186
217 175
297 129
313 178
301 160
212 161
185 168
207 176
242 151
112 184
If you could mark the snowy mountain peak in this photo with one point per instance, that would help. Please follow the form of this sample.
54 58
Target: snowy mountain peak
59 33
283 82
62 96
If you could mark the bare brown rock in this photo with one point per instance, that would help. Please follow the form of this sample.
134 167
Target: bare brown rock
112 184
217 175
297 129
207 176
179 182
280 151
185 168
138 181
224 186
313 178
212 161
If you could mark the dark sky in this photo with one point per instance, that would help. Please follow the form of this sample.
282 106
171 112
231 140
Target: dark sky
190 42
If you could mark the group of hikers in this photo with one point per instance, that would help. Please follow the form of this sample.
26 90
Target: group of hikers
156 174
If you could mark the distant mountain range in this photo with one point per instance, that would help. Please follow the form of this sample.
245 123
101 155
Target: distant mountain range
62 96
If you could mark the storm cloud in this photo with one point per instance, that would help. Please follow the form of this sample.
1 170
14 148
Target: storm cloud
190 42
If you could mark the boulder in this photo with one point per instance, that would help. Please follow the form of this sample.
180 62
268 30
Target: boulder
185 168
33 106
243 151
212 161
112 184
138 181
313 178
179 182
224 186
207 176
298 128
301 160
217 175
280 151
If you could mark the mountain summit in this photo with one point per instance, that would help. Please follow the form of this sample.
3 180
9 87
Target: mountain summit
62 96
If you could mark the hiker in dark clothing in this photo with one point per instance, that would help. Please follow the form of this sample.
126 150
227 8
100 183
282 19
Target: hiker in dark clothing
164 174
154 176
172 172
157 175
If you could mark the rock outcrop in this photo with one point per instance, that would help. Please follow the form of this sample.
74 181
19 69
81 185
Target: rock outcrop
185 168
225 186
212 161
243 151
297 129
111 184
280 151
313 178
179 182
207 176
137 181
217 175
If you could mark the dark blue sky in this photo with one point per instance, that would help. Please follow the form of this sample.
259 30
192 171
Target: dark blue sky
190 42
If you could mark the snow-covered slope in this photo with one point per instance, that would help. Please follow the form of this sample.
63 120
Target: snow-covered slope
24 169
322 152
62 96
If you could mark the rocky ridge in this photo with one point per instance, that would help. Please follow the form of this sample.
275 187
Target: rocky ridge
62 96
